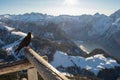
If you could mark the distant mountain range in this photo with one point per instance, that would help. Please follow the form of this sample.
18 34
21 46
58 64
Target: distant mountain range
99 28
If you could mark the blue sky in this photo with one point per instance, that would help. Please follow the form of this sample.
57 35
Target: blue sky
59 7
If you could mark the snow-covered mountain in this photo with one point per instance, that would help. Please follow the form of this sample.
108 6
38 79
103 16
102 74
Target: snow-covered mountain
115 15
90 66
6 37
59 42
32 17
58 37
99 28
94 63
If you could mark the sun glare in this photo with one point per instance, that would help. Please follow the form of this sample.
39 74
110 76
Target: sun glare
70 2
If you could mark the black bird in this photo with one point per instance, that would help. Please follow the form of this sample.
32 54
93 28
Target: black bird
24 43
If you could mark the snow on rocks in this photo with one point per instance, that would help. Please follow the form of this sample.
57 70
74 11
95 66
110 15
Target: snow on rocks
94 63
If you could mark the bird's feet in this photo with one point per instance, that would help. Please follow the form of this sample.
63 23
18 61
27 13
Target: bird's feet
28 47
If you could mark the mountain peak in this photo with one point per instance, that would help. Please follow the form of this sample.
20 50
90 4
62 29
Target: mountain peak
115 15
97 14
116 12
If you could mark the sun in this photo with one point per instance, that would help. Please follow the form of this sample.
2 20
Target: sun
70 2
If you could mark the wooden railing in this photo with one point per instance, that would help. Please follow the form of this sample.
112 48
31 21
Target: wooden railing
34 63
14 66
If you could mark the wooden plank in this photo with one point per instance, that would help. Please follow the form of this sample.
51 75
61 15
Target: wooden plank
14 67
46 71
32 74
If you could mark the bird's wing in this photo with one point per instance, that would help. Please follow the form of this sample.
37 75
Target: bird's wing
23 42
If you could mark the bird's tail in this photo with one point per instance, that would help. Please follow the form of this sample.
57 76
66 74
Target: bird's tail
17 51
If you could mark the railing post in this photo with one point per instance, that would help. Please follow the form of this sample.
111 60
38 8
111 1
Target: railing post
32 74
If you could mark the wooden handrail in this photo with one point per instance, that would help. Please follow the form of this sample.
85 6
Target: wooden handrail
46 71
14 66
